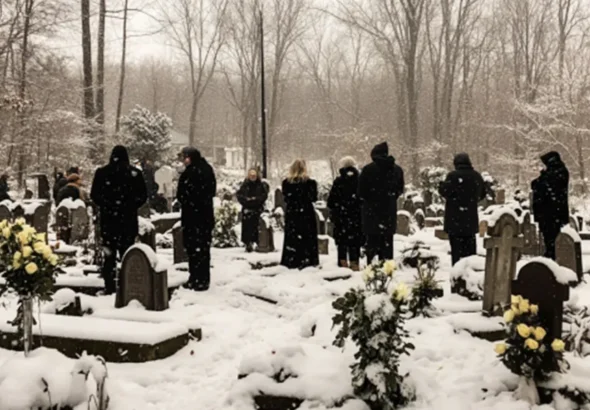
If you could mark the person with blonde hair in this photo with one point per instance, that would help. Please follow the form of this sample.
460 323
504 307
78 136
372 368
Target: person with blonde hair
345 213
300 248
252 195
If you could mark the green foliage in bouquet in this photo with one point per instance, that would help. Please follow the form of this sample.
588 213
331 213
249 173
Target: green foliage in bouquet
226 219
374 319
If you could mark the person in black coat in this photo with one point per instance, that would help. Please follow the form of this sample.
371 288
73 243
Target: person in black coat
300 248
381 183
118 190
252 195
4 188
345 212
550 200
61 181
462 190
73 190
196 189
149 176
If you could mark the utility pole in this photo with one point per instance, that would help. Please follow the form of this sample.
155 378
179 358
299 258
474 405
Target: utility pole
263 100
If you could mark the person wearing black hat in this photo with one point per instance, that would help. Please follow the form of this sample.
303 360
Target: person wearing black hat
381 183
550 200
462 190
118 190
196 189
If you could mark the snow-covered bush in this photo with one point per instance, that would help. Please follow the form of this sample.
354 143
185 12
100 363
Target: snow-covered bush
147 135
577 337
430 179
226 219
374 318
527 352
426 287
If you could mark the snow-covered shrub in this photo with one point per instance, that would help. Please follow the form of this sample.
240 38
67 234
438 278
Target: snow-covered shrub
426 287
527 352
226 219
374 318
147 135
430 179
277 220
577 337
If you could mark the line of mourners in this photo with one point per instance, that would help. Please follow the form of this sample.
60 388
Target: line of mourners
363 207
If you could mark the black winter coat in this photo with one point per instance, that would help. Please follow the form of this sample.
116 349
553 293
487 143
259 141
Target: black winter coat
149 176
119 191
550 193
4 191
69 191
300 248
252 195
196 189
59 184
381 183
345 209
462 189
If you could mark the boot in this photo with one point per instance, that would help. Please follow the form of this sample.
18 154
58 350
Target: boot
355 266
343 264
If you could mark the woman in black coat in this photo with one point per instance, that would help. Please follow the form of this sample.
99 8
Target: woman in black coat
252 195
345 208
300 248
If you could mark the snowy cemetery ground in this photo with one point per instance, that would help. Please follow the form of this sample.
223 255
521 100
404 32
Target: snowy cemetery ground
260 320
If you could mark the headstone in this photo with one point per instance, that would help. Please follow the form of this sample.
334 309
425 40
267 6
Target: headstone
419 217
180 255
266 242
432 222
574 223
502 249
80 224
441 234
62 224
280 199
430 212
530 236
483 228
419 204
428 198
165 222
580 220
40 218
536 282
148 238
568 252
409 205
403 224
440 213
18 211
323 245
500 197
5 213
330 228
139 281
320 222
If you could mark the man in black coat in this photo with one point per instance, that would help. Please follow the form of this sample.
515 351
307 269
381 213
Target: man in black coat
196 190
118 190
463 189
61 181
550 200
381 183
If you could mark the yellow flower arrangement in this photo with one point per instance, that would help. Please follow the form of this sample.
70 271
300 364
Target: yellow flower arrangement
558 345
523 330
531 344
509 316
31 268
539 333
500 348
401 292
389 267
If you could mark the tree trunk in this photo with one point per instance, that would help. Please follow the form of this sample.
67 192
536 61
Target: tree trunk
100 64
22 91
122 73
87 61
193 121
27 321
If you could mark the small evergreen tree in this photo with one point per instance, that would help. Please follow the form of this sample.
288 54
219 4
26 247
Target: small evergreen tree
146 135
226 219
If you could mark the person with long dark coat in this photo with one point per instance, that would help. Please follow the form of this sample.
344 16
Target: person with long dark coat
149 176
61 181
300 248
462 190
196 189
4 188
345 213
381 183
118 190
252 195
550 200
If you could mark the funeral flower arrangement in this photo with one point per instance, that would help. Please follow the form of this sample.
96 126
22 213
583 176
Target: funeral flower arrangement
226 219
374 319
528 352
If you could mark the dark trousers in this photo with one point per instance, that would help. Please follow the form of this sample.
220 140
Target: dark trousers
380 246
113 247
348 253
199 261
462 247
549 237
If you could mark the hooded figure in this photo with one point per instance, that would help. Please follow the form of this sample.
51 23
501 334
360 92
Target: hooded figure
73 190
550 200
345 212
118 191
462 190
252 195
381 183
196 189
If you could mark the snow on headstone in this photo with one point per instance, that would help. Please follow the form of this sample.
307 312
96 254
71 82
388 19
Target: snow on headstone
568 251
403 223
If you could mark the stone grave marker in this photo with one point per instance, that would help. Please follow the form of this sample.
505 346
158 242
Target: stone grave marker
323 245
568 252
139 281
530 236
581 224
432 222
428 198
320 222
483 228
440 213
500 197
330 228
430 213
574 223
403 224
80 224
502 249
280 199
419 204
165 222
18 211
441 234
62 223
266 242
536 282
180 255
409 205
420 219
5 213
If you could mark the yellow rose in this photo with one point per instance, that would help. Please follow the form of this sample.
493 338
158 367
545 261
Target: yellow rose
23 238
500 348
509 316
53 260
515 310
47 252
6 232
368 273
401 292
524 306
41 237
20 221
27 251
531 344
31 268
534 309
389 267
558 345
539 333
515 299
16 264
3 224
523 330
39 247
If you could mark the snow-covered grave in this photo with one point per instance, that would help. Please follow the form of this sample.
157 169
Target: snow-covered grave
568 250
165 222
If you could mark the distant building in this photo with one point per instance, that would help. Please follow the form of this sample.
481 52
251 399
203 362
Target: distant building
218 154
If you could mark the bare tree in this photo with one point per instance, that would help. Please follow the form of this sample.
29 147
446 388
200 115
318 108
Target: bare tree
121 93
100 63
87 61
